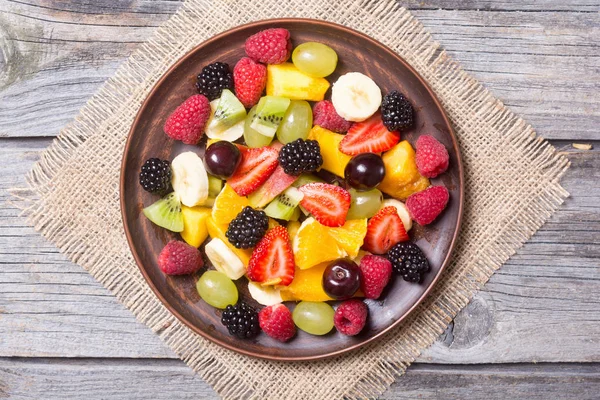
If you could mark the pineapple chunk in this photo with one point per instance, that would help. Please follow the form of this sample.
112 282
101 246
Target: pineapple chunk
285 80
334 160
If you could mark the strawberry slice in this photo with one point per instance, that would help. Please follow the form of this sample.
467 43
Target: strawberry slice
272 261
384 230
256 167
329 204
369 136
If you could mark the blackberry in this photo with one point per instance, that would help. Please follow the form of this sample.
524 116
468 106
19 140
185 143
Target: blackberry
213 79
241 320
409 261
396 111
300 156
155 176
247 228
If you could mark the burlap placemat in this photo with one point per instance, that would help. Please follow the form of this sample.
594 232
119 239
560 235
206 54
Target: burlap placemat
512 187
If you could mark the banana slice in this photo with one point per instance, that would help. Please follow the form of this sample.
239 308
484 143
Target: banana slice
355 96
190 180
265 295
402 211
224 260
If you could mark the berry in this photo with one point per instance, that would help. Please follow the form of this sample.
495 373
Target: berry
432 156
408 261
271 46
246 230
375 274
256 167
424 207
329 204
396 111
276 321
300 156
350 317
384 230
369 136
241 320
187 122
341 279
250 79
179 258
222 159
213 79
365 171
325 116
155 176
272 261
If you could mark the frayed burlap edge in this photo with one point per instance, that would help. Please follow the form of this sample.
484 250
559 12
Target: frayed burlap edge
481 122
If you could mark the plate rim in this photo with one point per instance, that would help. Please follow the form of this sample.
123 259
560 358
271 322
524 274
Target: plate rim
373 42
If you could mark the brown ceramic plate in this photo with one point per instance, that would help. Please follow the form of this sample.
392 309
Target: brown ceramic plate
357 52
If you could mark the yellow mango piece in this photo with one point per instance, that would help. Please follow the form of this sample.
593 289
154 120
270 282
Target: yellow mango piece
402 177
293 227
194 225
285 80
228 205
306 285
272 223
217 231
334 160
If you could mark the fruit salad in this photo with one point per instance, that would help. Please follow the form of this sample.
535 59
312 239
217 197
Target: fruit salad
302 198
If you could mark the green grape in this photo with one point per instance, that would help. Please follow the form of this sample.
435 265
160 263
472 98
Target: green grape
315 59
217 289
296 122
252 137
315 318
364 204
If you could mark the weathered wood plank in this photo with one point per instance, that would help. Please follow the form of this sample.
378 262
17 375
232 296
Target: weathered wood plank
545 65
169 379
541 306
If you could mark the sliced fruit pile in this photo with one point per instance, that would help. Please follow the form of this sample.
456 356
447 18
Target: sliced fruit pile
304 201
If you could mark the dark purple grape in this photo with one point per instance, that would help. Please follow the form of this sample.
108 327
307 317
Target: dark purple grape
365 171
341 279
222 159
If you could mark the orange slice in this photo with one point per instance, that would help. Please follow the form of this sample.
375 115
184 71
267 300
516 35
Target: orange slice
228 205
350 236
313 245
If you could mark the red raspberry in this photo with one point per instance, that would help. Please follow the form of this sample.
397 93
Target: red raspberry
276 321
187 122
350 317
250 79
325 116
425 206
179 258
432 156
271 46
375 273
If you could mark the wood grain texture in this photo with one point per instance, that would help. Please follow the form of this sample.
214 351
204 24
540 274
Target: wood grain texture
543 64
170 379
51 307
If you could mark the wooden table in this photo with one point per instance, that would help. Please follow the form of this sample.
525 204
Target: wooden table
533 332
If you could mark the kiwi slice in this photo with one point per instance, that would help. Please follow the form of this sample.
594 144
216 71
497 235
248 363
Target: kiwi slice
305 179
166 213
269 114
296 214
284 205
229 112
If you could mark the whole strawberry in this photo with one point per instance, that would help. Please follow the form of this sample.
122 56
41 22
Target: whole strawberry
424 207
179 258
271 46
375 273
187 122
250 79
325 116
350 317
276 321
432 157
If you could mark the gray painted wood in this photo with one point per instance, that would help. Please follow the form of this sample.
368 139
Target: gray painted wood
544 64
170 379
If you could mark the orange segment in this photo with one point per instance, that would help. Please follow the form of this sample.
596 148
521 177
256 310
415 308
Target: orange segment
313 245
350 236
306 285
228 205
402 177
217 231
